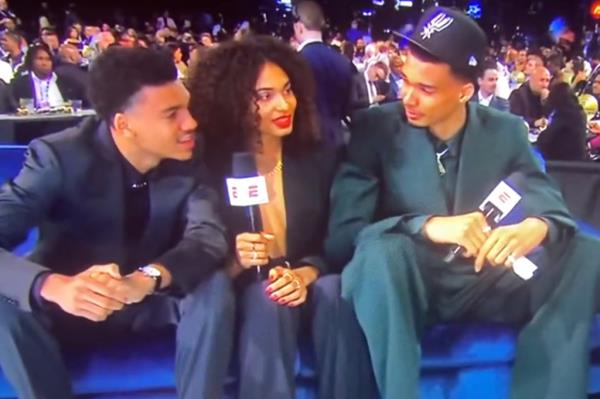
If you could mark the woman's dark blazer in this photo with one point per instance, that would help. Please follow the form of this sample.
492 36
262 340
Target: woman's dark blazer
307 181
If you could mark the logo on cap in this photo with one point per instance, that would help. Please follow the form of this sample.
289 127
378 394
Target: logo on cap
473 61
437 24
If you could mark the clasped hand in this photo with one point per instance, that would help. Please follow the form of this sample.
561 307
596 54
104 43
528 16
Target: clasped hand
97 292
499 246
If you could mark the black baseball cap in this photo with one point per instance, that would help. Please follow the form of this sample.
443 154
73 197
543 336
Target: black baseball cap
450 36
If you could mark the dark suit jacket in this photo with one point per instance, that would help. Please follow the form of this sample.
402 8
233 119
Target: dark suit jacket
498 103
73 73
22 87
306 183
71 187
393 92
333 75
360 94
565 137
526 104
391 173
7 102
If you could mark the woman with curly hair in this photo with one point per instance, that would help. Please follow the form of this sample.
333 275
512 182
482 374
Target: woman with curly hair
256 95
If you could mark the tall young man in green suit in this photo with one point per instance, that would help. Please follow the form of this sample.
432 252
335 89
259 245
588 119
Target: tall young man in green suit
409 192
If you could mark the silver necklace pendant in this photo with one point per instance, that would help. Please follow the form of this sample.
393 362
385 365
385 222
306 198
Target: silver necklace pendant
136 186
440 165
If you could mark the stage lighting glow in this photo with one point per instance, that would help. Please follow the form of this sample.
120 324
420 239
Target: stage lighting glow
403 4
285 4
378 3
557 27
367 12
475 9
595 10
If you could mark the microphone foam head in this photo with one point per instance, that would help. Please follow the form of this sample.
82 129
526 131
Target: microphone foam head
243 165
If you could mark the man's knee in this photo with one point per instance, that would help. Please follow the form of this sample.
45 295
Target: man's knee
327 287
214 295
384 254
14 321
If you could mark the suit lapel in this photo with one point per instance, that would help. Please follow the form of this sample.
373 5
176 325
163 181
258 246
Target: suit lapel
474 166
165 192
295 195
413 170
106 190
31 88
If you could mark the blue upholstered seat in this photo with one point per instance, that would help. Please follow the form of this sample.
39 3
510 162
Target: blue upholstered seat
459 361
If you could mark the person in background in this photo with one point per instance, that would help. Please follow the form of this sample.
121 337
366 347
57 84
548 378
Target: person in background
206 40
370 88
332 71
534 61
11 44
73 38
165 21
39 82
395 78
50 38
71 65
8 19
565 137
256 95
182 68
527 100
487 82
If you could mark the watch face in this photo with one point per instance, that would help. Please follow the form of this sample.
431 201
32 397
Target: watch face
150 271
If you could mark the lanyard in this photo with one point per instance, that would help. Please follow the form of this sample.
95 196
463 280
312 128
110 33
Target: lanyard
44 93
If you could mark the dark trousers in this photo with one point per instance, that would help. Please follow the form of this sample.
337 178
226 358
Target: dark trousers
32 343
398 285
268 344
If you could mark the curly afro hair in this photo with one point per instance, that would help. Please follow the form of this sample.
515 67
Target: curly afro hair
119 73
223 99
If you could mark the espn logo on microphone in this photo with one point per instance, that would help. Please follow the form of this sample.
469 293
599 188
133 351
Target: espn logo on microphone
248 191
503 198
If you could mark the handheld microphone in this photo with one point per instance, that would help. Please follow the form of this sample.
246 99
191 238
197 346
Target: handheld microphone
498 204
247 188
495 207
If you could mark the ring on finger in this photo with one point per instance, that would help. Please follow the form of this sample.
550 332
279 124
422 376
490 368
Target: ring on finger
510 260
296 283
487 229
254 255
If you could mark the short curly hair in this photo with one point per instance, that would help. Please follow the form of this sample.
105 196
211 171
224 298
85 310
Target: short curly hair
119 73
222 87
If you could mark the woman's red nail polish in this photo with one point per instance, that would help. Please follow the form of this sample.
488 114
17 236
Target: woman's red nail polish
274 297
281 301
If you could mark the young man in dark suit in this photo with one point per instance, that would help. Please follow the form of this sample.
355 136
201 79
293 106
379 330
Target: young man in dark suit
332 71
130 240
420 172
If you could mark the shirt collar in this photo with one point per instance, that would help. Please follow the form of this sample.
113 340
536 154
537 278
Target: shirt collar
482 97
453 144
131 175
307 42
52 78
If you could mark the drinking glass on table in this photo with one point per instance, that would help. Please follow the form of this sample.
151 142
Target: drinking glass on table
76 105
27 104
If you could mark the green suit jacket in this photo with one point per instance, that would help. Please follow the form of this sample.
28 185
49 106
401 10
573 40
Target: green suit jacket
391 175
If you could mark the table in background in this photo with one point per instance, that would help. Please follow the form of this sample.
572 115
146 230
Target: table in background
16 129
